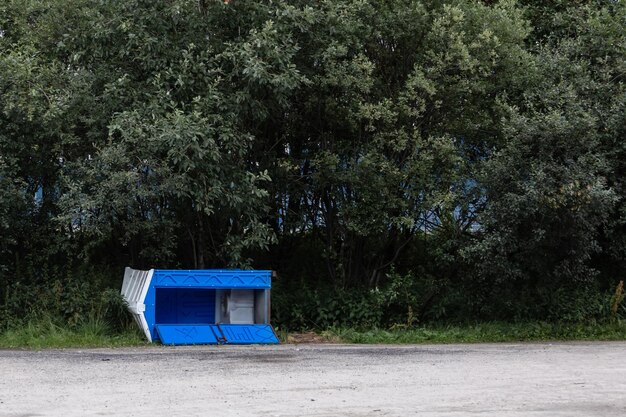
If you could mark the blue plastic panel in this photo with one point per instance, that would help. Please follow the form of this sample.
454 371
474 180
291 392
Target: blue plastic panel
184 306
174 334
243 334
212 278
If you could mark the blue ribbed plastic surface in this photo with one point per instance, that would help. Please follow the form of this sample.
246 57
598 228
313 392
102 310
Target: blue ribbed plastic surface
184 306
232 334
212 278
176 334
243 334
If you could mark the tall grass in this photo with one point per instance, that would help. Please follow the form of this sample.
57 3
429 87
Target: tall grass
47 332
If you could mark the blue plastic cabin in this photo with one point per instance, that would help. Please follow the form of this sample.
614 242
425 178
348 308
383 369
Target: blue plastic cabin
206 306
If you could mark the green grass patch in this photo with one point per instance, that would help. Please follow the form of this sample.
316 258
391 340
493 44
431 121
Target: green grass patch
491 332
49 333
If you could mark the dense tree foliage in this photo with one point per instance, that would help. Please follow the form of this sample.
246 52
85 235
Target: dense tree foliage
392 160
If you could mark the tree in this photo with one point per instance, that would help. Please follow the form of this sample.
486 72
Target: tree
551 188
404 98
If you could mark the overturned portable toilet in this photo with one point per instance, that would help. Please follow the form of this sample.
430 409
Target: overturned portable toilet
205 306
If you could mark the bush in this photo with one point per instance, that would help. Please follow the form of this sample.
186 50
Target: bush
71 300
403 301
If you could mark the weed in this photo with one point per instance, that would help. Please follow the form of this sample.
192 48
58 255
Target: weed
618 297
486 333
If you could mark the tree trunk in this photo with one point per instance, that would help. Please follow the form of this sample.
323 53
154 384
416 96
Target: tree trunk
193 248
200 244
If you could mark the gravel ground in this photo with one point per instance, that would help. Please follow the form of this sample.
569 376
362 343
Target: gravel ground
561 379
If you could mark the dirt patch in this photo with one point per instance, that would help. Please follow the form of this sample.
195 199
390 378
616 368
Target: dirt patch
311 337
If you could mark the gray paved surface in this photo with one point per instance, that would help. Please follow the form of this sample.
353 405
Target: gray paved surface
571 379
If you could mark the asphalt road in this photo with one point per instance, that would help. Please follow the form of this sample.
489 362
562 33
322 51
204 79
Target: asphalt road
564 379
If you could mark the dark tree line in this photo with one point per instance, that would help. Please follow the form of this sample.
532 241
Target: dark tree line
449 159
